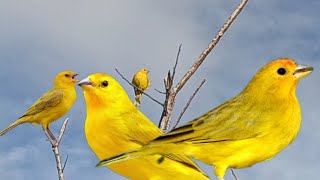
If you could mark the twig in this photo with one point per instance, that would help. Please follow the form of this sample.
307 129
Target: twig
159 91
171 97
55 149
176 63
139 88
63 128
65 163
168 83
234 175
188 103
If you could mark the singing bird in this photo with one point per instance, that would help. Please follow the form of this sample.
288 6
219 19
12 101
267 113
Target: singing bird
252 127
50 106
141 81
114 125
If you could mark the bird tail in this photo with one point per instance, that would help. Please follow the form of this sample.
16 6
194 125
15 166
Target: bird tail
11 126
126 156
137 100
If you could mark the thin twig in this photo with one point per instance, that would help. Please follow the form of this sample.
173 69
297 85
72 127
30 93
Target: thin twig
63 128
176 63
55 149
234 175
165 119
211 45
188 103
159 91
139 88
65 163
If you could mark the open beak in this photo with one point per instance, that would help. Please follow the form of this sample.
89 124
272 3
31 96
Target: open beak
85 82
73 77
302 71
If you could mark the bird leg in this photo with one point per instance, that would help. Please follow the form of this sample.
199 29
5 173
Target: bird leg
53 140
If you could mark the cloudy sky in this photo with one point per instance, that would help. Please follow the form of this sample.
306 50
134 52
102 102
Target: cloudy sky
38 39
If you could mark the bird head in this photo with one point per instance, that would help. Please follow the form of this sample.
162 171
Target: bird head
65 78
144 70
279 77
102 88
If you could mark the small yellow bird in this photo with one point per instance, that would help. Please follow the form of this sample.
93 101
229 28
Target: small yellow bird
52 105
252 127
141 81
114 125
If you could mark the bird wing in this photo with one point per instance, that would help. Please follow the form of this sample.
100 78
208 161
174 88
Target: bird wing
136 82
48 100
229 122
147 131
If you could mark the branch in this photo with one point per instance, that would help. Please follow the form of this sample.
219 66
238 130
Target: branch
159 91
234 175
188 103
176 64
139 88
55 149
65 163
168 83
172 92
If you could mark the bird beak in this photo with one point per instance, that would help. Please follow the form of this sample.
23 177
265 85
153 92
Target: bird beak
74 75
85 82
302 71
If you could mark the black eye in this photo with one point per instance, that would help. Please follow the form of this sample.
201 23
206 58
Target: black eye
104 83
67 75
281 71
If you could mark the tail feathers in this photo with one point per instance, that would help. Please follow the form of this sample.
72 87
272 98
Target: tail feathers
124 157
138 100
11 126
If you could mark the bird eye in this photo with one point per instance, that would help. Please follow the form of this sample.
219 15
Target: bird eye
104 83
281 71
67 75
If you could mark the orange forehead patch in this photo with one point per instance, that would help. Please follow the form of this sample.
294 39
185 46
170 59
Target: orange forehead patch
286 62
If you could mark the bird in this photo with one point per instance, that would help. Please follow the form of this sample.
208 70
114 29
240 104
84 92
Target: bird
50 106
252 127
141 82
114 125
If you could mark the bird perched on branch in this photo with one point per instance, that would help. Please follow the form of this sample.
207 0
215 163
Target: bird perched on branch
52 105
252 127
141 81
114 125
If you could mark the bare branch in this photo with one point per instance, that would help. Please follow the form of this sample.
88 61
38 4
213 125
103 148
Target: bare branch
164 123
188 103
234 175
159 91
211 45
65 163
63 128
139 88
55 148
176 64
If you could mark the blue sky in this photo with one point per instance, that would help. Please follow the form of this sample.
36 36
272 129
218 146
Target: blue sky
38 39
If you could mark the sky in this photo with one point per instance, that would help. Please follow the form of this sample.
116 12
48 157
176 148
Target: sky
38 39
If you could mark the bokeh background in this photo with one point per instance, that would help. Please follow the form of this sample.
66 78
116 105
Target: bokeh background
38 39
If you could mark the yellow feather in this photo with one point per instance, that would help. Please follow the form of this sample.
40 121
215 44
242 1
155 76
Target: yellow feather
141 81
251 127
114 125
52 105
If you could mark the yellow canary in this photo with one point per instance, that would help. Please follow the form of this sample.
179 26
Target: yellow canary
50 106
252 127
114 125
141 81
